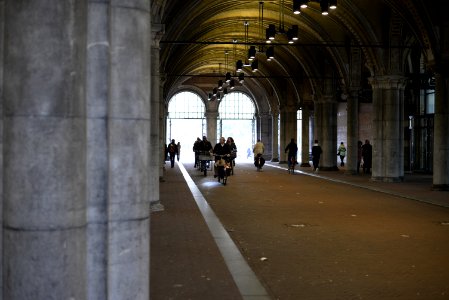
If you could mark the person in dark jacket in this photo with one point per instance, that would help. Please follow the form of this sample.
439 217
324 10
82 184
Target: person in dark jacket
367 156
292 150
221 149
172 150
316 154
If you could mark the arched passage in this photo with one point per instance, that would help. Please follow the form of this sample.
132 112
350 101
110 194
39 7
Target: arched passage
185 120
237 119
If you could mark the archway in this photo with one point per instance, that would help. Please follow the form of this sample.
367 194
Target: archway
185 121
237 119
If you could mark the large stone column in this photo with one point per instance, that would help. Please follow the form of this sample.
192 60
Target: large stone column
305 146
155 144
326 126
275 135
441 131
265 133
211 121
2 43
97 87
388 131
128 141
288 130
44 226
352 132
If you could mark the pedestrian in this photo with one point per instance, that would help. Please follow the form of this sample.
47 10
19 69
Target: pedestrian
172 150
196 150
292 150
359 155
367 156
179 151
342 153
258 150
316 154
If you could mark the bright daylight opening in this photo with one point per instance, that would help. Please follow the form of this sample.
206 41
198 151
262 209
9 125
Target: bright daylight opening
186 121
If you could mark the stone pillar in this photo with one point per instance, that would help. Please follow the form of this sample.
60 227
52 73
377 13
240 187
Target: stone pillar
275 136
155 144
352 121
129 114
326 125
211 121
97 87
388 131
305 146
441 131
288 130
162 129
352 132
265 133
2 43
44 226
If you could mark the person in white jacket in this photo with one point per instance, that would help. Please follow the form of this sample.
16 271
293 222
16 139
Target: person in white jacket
258 148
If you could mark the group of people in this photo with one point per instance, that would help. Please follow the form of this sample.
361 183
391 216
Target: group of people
223 148
364 156
228 147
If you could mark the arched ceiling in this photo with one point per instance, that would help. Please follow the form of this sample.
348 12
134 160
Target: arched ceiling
198 33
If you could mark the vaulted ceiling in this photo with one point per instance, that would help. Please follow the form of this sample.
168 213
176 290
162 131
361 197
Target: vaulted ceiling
198 33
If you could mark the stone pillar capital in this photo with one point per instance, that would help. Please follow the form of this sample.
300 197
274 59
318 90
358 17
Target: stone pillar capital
157 32
388 82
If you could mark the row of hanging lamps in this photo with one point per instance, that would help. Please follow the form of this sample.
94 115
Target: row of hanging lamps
325 5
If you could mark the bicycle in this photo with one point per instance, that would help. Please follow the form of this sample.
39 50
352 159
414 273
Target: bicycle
204 158
291 165
259 161
223 168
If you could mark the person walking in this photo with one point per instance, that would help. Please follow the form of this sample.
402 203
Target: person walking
367 156
292 150
172 150
178 154
258 151
316 154
342 153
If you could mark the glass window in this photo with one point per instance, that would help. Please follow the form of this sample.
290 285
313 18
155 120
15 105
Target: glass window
186 105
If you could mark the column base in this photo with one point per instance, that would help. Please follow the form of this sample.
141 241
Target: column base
156 206
305 165
440 187
351 172
275 160
387 179
334 168
282 162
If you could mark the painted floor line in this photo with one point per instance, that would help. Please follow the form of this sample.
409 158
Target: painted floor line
244 277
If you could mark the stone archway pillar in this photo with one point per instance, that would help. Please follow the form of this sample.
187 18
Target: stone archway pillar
305 146
388 129
288 130
352 132
326 132
265 132
44 221
441 132
275 136
211 122
156 151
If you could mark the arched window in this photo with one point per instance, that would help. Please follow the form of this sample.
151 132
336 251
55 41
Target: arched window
237 119
185 121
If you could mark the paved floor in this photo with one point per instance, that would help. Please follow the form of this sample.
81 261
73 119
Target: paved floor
387 242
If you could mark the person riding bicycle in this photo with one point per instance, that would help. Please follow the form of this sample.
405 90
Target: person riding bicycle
221 149
292 150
